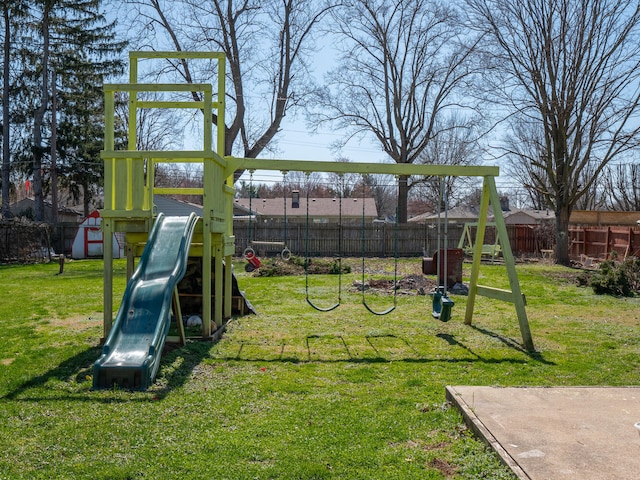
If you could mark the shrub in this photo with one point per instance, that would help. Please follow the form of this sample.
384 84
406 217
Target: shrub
621 279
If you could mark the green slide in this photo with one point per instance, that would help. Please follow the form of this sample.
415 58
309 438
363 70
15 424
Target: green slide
131 353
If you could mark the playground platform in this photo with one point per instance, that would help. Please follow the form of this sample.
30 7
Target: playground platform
548 433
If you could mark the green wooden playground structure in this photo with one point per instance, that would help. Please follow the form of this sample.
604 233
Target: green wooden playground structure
129 191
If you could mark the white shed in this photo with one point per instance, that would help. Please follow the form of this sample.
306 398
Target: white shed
88 242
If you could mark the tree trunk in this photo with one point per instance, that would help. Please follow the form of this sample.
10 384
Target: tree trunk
54 152
6 166
85 200
38 125
562 235
403 194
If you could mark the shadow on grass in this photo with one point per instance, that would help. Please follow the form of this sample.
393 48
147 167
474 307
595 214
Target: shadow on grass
509 342
75 368
177 364
337 350
79 369
187 358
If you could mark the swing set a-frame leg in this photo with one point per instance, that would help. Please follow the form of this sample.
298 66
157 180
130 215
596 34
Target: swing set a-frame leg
490 196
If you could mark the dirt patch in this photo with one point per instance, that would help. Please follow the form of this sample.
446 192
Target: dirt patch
408 281
412 284
7 361
444 467
78 322
276 267
416 283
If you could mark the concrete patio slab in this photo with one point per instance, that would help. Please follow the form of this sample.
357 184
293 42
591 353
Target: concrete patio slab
557 433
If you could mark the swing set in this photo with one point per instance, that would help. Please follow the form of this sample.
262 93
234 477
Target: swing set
130 187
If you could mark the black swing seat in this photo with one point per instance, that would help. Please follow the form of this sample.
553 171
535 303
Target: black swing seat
441 304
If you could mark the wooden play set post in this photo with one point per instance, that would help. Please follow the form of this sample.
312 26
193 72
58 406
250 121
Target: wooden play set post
129 191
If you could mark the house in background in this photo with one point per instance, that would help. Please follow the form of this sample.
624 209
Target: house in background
454 215
604 218
26 207
172 207
175 208
321 210
522 216
517 216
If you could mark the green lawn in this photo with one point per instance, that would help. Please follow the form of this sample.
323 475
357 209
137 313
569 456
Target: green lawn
291 393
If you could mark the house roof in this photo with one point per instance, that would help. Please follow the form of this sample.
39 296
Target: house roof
536 215
30 203
318 207
21 206
175 208
459 214
454 214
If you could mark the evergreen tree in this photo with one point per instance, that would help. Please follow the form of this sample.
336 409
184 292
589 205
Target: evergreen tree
12 16
78 47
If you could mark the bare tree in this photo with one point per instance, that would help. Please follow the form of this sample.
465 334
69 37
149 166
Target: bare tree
266 43
307 183
342 184
593 197
524 146
383 189
455 142
622 184
572 66
401 68
157 129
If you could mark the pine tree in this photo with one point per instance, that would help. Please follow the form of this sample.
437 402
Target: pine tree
12 16
78 47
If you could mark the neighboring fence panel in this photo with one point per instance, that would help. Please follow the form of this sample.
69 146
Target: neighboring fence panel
379 238
599 242
26 241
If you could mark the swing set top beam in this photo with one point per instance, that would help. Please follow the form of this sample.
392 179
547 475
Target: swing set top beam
234 164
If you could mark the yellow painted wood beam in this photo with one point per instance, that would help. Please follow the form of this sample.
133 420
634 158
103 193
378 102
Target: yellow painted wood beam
182 54
234 164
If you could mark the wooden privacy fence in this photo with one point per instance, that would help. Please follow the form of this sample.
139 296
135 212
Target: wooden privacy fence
413 239
600 242
325 239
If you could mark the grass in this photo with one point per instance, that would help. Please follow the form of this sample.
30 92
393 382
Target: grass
291 393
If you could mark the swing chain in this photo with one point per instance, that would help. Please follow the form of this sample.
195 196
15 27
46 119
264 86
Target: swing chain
248 251
286 253
307 259
395 272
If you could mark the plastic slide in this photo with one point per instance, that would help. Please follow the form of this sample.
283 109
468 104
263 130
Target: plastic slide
131 353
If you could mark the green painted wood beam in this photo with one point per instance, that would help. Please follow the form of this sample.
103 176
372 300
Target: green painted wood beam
170 104
510 263
234 164
165 155
174 54
157 87
179 191
498 294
